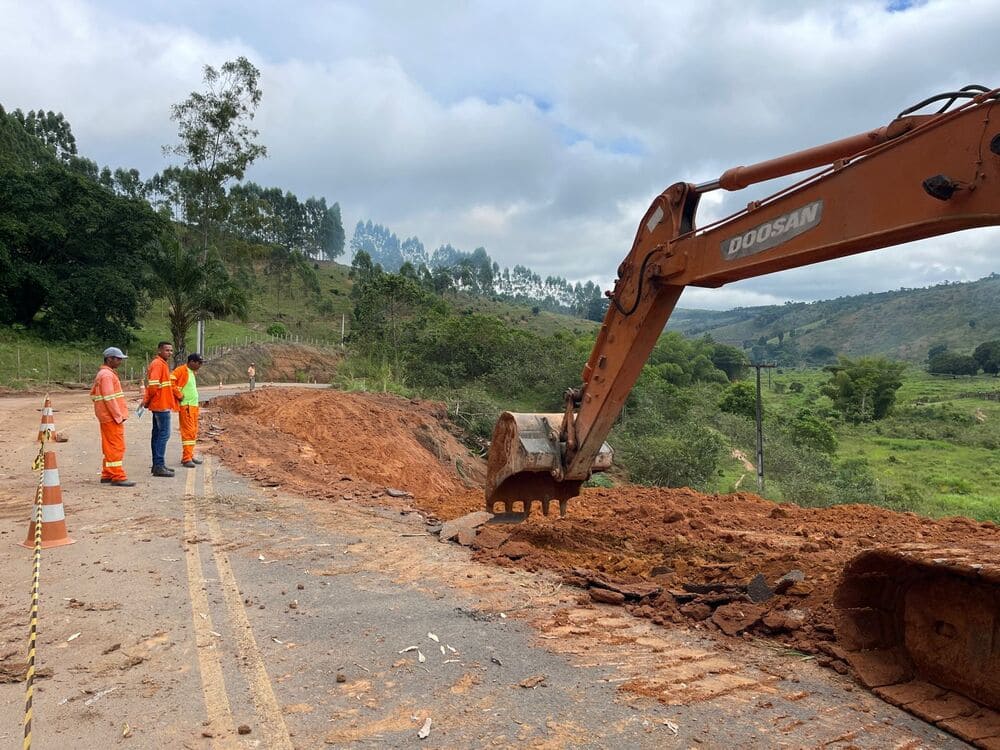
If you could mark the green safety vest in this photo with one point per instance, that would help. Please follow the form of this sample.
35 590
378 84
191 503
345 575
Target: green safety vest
189 393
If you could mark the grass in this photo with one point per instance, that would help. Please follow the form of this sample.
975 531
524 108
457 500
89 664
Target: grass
934 455
520 316
26 361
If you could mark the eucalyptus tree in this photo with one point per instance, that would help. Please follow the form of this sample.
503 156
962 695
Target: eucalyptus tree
217 144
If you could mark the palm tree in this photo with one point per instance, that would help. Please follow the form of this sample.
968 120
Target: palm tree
196 285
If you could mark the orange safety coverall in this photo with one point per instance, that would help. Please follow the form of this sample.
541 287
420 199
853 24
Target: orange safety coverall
188 414
111 411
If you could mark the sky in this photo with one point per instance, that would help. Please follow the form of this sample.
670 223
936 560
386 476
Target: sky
539 130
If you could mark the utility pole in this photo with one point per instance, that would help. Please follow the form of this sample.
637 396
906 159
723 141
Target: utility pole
760 427
199 337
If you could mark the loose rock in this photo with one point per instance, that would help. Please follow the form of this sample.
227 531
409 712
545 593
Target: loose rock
734 618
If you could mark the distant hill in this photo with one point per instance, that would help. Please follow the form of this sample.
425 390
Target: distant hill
901 324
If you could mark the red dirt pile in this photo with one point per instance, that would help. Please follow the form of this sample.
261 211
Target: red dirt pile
673 555
337 445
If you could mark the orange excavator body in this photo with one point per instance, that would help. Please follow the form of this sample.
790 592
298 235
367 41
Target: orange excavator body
920 176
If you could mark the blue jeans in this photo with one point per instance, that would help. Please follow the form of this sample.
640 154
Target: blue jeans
161 433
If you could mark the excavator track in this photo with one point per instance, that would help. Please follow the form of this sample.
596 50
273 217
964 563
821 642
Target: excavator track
920 626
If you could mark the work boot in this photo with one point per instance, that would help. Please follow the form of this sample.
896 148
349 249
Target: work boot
162 471
122 483
189 465
198 460
105 480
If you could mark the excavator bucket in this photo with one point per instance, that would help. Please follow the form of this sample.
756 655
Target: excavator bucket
920 625
525 457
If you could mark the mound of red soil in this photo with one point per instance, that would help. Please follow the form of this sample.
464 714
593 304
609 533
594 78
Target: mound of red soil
333 444
669 554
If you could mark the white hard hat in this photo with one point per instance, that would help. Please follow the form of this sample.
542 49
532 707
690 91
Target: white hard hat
114 351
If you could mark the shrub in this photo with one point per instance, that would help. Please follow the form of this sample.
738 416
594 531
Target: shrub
856 483
814 432
688 456
277 330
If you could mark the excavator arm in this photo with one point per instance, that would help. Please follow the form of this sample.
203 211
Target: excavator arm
920 176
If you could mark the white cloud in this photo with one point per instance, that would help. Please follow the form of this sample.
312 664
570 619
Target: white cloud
541 134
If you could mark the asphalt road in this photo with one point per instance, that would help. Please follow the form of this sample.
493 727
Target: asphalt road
193 608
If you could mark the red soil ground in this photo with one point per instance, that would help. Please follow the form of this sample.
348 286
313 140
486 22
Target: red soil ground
646 542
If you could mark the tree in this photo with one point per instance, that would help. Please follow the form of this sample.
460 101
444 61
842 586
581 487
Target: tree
217 143
330 233
865 389
384 303
216 140
935 350
821 355
730 360
810 430
950 363
987 355
741 399
73 256
51 129
195 289
379 243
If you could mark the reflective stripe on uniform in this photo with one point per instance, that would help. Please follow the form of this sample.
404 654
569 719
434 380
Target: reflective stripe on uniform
154 382
50 477
52 513
189 442
110 464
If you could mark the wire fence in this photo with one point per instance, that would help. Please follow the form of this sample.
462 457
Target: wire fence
68 365
244 342
31 364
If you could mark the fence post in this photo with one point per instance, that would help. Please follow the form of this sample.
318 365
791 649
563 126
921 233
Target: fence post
48 367
18 363
79 362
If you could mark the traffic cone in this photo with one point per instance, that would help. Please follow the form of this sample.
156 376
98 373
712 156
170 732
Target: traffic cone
48 424
53 516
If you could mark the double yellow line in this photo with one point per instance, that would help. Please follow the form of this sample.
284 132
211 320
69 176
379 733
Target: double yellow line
248 656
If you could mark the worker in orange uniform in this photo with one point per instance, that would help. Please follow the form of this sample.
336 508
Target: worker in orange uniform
160 401
186 391
111 411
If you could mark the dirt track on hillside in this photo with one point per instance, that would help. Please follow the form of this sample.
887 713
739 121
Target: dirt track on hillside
352 447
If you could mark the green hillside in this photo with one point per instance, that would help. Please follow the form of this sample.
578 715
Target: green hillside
901 324
320 318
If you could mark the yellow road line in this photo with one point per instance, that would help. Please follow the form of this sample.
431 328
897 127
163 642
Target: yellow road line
250 661
219 714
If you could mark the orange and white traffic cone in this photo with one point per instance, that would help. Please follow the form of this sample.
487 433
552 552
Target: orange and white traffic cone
47 429
53 515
